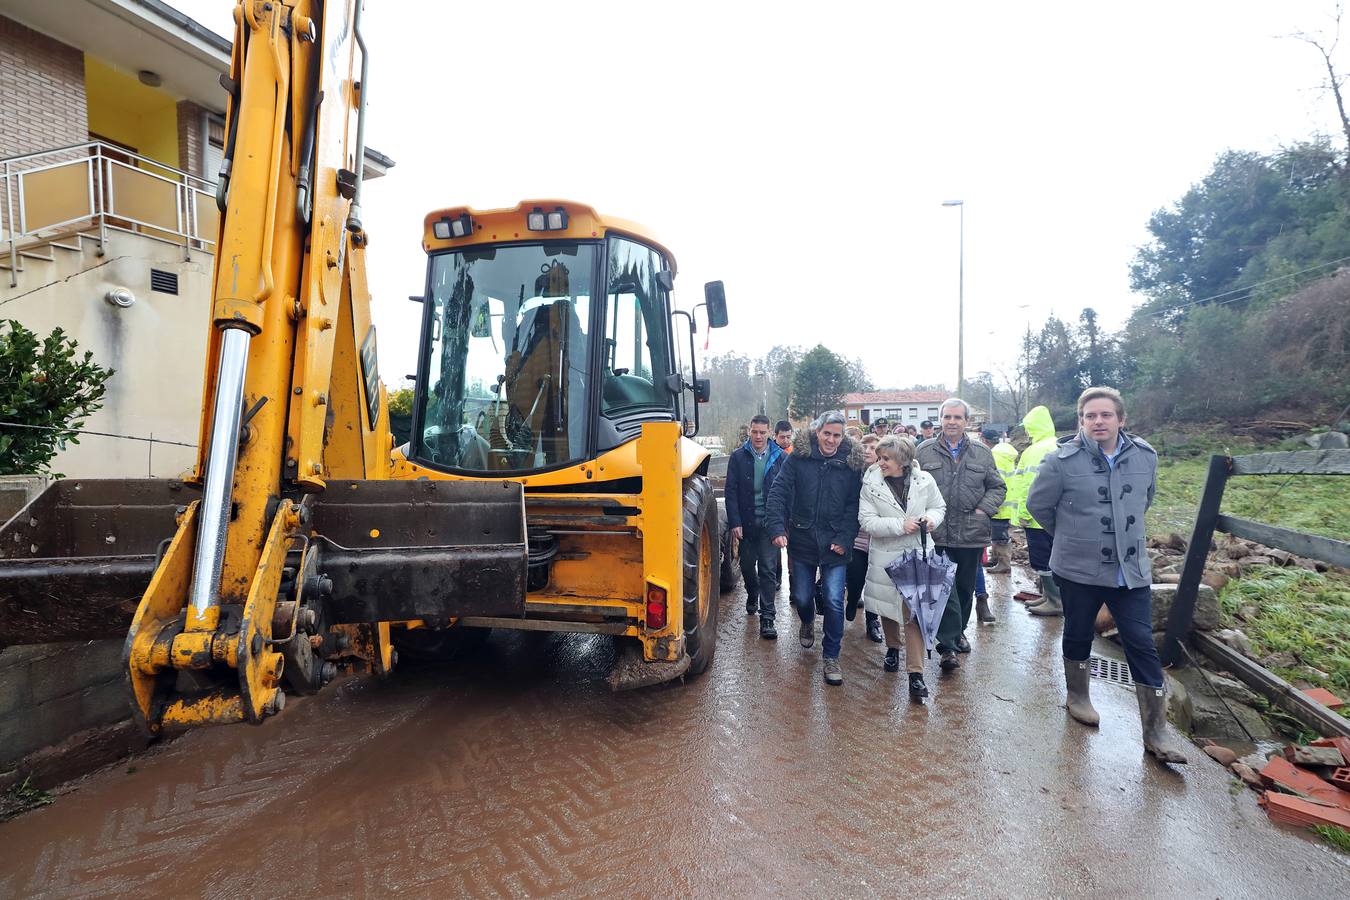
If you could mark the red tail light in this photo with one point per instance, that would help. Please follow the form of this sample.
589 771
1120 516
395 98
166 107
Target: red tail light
656 607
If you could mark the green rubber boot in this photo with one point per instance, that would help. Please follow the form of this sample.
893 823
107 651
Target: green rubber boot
1077 676
1050 604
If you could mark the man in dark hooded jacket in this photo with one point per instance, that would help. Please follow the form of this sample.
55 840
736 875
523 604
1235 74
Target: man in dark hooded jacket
813 511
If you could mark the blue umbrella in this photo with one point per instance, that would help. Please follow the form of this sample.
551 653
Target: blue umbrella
925 582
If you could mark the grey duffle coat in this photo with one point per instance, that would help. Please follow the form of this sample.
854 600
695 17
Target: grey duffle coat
1095 512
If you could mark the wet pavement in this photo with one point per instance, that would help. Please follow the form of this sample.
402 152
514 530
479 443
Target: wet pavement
514 772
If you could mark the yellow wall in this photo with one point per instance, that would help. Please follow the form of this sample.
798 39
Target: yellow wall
123 109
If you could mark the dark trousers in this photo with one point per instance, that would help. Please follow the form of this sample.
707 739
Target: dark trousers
1000 531
1039 545
855 579
761 567
962 601
1132 608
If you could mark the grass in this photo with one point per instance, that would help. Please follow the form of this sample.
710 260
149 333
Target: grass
1299 612
1334 835
1319 504
23 797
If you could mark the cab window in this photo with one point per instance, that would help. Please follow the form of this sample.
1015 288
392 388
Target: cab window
636 356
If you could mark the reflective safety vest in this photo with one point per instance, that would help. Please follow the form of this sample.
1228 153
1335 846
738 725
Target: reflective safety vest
1005 457
1041 429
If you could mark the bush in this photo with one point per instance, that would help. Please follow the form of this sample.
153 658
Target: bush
46 390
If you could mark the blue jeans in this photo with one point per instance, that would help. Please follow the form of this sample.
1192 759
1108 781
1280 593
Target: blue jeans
979 582
802 587
1132 610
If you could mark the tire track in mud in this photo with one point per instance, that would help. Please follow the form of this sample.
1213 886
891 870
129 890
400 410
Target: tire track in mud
194 797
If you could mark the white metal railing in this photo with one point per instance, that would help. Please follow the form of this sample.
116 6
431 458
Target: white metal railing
96 186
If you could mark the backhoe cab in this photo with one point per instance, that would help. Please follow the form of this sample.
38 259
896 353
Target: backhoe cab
550 358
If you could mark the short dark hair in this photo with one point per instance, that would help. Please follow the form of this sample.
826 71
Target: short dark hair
760 419
783 425
990 434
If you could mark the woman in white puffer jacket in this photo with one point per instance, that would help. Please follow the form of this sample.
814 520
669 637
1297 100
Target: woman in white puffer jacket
896 496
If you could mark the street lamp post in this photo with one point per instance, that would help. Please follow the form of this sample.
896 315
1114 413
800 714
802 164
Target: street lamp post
960 300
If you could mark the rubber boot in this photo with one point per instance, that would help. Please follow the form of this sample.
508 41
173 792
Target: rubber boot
1040 589
982 609
1002 560
1050 604
1153 719
1076 679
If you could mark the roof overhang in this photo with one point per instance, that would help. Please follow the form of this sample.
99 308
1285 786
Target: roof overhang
135 35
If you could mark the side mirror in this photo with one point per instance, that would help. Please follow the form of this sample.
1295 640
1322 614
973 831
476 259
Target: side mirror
481 326
702 390
715 296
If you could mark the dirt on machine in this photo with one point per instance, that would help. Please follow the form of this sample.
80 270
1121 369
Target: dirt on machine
549 480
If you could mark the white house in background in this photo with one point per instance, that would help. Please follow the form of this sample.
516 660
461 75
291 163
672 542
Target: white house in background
896 407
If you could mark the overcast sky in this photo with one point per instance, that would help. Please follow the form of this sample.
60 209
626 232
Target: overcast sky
801 152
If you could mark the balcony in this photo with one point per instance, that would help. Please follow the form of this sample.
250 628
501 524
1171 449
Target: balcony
93 188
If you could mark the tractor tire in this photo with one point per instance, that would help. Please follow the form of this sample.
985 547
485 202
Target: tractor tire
702 563
730 573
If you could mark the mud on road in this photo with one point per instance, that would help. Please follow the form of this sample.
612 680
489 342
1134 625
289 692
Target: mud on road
513 771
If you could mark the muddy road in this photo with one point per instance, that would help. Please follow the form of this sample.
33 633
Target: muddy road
513 771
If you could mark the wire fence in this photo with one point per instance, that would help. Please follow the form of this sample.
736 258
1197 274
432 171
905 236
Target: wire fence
149 440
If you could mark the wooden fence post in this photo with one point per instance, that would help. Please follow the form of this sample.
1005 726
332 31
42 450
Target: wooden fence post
1182 614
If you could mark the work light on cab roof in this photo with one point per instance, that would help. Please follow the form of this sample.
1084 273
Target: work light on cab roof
538 220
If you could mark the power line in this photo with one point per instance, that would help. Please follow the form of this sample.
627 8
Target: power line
124 437
1247 289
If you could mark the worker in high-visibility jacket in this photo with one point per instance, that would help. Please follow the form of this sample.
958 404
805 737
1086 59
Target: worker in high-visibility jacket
1041 429
1005 457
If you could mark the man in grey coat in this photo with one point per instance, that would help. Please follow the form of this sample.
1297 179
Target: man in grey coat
968 477
1090 495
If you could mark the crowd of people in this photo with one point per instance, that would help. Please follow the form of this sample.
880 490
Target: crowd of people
844 505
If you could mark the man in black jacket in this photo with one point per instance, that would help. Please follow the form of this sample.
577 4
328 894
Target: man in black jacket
751 472
813 512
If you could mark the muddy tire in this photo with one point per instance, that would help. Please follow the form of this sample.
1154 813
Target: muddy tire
702 565
729 572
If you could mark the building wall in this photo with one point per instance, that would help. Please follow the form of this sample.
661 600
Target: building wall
156 347
42 93
130 113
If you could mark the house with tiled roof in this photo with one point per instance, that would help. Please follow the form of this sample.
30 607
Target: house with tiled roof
862 408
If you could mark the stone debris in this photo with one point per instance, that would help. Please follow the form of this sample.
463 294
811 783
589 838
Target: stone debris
1221 755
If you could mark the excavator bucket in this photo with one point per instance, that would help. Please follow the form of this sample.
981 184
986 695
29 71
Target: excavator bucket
75 561
431 550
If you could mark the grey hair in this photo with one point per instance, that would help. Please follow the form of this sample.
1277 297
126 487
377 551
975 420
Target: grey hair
899 447
952 401
833 417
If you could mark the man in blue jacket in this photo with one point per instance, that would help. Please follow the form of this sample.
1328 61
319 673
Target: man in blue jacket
750 476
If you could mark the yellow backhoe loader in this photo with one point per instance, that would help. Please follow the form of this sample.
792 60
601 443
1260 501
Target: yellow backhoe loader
549 481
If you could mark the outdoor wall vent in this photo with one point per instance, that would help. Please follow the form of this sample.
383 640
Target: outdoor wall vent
164 282
120 297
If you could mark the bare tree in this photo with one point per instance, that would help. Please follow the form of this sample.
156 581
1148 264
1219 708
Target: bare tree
1326 45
